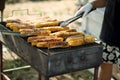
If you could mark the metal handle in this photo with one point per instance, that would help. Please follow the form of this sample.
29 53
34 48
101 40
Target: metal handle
3 28
74 18
70 20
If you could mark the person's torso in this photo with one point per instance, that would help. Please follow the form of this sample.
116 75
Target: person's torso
111 25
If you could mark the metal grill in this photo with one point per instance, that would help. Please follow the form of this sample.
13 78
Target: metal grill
51 62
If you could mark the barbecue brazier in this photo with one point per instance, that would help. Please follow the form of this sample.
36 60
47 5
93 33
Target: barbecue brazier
55 61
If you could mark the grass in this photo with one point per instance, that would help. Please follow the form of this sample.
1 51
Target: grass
21 74
31 74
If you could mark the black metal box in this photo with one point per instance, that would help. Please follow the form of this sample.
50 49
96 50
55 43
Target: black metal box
57 61
51 62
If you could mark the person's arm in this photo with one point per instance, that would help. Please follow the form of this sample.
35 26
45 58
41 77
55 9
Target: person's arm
91 5
99 3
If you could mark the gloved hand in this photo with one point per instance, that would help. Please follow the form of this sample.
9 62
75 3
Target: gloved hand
86 8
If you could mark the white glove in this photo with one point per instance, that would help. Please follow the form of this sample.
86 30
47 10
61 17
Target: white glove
86 8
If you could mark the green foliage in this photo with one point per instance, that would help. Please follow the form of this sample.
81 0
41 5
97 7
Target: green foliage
16 75
90 78
13 64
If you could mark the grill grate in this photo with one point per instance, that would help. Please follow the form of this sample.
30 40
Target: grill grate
52 62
